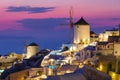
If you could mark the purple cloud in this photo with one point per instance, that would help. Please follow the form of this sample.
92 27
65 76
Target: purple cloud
115 19
30 9
44 24
47 30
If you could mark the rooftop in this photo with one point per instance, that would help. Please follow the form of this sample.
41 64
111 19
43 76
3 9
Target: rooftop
33 44
81 22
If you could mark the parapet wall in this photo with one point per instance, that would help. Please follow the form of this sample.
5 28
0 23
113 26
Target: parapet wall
93 74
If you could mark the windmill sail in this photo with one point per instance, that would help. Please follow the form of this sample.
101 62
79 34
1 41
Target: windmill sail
71 17
71 24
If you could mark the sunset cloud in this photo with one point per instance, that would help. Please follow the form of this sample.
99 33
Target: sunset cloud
45 23
30 9
116 19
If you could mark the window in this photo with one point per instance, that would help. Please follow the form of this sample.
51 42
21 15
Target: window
108 46
77 26
115 52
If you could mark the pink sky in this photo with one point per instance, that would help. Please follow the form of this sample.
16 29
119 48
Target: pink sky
103 10
81 7
98 13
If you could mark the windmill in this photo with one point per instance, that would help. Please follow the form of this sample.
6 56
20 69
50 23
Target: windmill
71 24
25 48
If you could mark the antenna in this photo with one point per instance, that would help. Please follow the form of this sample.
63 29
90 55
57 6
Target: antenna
71 24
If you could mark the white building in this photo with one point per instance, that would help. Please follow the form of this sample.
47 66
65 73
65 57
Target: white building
103 37
32 49
87 54
81 34
117 49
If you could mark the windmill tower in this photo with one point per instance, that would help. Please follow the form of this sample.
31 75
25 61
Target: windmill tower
82 32
32 49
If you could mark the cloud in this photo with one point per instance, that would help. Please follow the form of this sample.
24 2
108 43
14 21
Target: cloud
46 28
30 9
45 23
116 19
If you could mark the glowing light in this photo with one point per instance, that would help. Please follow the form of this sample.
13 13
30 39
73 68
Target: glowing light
81 65
1 71
84 62
83 40
113 75
106 36
73 48
101 67
43 76
68 71
51 60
